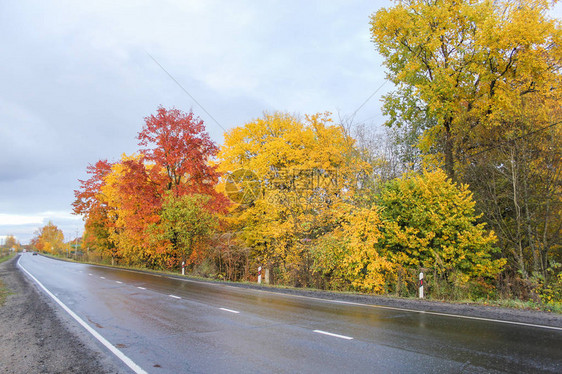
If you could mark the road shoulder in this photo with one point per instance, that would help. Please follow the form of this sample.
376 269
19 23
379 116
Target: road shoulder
38 337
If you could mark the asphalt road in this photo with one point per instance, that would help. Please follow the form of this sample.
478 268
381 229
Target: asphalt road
167 325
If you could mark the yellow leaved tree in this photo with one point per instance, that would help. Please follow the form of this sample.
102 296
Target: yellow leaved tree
291 172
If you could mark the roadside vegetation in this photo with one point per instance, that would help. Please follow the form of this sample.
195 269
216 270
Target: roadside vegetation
4 292
464 184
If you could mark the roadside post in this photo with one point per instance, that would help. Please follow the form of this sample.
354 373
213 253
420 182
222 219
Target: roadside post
183 268
259 275
421 285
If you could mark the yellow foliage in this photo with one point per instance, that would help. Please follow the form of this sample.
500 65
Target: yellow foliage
304 167
469 66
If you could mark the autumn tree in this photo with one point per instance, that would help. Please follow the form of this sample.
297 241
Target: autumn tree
350 257
180 149
304 166
49 239
122 202
93 206
430 222
463 68
11 242
185 221
518 186
135 201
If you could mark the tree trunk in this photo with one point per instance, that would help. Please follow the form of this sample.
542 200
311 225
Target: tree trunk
449 150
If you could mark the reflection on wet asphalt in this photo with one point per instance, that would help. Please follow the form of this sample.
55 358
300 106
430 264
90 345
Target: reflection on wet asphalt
169 325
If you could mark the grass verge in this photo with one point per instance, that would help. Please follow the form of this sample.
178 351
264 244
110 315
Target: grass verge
6 258
3 290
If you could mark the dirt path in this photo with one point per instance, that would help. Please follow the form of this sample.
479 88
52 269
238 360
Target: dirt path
37 337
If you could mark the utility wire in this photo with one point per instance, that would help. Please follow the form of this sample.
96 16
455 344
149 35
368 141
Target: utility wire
184 90
369 98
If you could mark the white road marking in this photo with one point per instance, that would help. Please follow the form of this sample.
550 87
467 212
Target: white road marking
334 335
102 277
416 311
175 297
90 274
230 310
357 304
130 363
118 282
141 288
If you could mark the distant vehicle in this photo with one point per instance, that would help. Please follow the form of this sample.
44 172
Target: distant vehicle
34 253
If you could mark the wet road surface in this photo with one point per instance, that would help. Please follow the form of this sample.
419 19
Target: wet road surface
168 325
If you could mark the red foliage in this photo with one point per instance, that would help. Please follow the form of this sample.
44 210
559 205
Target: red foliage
140 195
176 142
86 196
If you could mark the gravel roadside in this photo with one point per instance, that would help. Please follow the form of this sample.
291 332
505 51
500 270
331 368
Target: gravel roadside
36 336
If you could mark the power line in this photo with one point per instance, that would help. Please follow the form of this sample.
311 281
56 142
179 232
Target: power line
184 90
369 98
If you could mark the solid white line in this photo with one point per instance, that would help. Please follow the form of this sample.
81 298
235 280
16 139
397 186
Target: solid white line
420 311
443 314
141 288
354 303
175 297
137 369
230 310
334 335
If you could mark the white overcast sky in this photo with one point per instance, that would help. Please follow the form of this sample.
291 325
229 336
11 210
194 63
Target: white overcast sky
76 81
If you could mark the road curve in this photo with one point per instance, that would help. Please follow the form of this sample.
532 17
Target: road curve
168 325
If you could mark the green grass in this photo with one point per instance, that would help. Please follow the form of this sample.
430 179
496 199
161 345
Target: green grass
3 290
554 307
6 257
3 293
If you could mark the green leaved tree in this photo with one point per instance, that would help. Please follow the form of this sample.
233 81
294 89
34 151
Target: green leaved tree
429 222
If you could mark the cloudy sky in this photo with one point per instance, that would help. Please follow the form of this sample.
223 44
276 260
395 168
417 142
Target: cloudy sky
77 79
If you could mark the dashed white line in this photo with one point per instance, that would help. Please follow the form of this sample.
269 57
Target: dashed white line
130 363
230 310
175 297
141 288
91 274
118 282
334 335
102 277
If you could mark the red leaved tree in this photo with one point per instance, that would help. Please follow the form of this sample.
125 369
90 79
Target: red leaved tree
87 197
123 203
176 142
179 149
94 208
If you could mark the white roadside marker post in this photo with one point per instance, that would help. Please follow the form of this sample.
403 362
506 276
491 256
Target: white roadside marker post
259 275
421 285
183 268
